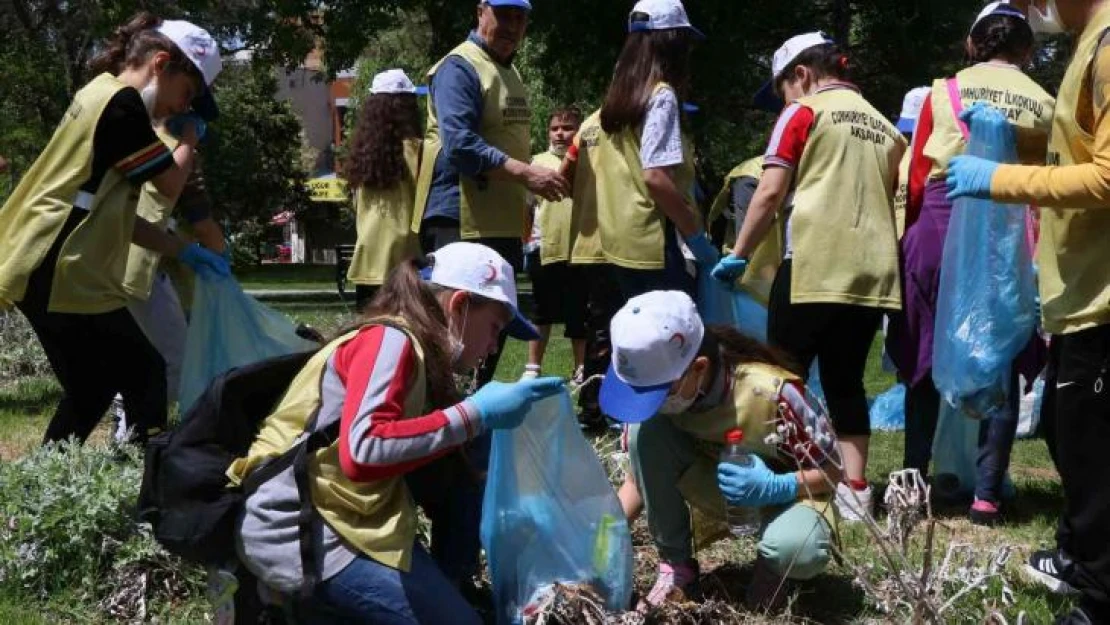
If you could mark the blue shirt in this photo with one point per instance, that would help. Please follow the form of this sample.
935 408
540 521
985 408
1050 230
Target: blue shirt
457 94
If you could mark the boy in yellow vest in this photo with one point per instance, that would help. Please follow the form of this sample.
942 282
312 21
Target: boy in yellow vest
840 274
1073 191
558 291
475 173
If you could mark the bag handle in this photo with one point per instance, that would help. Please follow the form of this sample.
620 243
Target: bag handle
957 105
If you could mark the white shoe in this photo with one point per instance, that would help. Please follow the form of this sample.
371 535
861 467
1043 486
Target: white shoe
853 504
531 372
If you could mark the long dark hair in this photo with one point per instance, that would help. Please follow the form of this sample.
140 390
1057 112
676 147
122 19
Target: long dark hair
133 43
647 59
1001 35
376 158
727 346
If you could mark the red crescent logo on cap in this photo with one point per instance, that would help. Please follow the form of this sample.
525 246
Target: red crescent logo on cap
678 336
491 273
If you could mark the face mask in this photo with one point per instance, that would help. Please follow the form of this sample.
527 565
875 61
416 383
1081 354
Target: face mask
1047 22
677 404
149 94
457 345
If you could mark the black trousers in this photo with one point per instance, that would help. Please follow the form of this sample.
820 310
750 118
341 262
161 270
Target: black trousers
922 410
438 232
603 300
1081 439
95 356
839 336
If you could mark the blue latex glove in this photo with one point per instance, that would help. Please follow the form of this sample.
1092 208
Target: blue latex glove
970 176
983 119
703 249
730 269
206 263
755 486
176 125
503 405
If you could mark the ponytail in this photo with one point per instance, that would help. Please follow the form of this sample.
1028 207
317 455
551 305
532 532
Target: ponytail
727 346
1001 36
133 43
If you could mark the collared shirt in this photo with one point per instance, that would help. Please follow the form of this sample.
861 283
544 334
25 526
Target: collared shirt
457 94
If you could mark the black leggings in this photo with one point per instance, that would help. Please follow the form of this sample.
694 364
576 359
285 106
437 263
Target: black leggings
839 336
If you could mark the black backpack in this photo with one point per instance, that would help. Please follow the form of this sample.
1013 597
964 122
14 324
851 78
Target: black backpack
185 495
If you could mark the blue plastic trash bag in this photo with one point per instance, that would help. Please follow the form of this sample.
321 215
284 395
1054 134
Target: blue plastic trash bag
986 308
228 329
714 300
550 515
888 411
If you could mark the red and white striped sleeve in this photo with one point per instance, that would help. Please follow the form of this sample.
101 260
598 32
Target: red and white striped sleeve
377 439
788 140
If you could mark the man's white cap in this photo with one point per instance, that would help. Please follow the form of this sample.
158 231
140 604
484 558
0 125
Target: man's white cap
997 8
654 337
202 50
911 108
661 15
393 81
477 269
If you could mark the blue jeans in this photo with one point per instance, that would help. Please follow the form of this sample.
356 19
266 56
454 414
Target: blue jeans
996 442
370 592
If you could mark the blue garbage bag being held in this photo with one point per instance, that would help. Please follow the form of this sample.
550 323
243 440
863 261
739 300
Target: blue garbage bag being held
986 309
228 329
550 515
888 411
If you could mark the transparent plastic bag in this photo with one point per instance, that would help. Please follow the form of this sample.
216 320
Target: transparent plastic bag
550 515
228 329
986 308
888 411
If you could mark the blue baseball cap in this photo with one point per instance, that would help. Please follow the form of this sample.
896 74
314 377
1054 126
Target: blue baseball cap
520 4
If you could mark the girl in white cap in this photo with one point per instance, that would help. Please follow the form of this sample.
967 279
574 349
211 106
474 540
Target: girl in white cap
68 226
1000 42
406 436
645 159
840 157
684 387
381 168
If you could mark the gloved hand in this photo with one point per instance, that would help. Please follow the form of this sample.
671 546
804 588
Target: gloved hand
206 263
503 405
755 486
176 125
730 269
970 176
703 249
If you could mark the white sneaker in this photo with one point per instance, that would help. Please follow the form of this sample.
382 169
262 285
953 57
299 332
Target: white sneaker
853 504
531 372
579 377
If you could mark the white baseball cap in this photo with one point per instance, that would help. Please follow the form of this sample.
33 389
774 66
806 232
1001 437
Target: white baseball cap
911 108
997 8
766 98
477 269
394 81
202 50
655 337
661 15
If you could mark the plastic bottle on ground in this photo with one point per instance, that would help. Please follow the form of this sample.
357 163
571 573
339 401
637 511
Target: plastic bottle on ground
742 520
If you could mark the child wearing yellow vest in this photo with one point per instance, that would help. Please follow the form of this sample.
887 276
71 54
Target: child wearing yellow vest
683 387
68 225
381 168
840 274
648 225
406 437
999 43
1073 191
558 291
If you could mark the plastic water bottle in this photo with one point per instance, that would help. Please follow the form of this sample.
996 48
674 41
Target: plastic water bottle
742 520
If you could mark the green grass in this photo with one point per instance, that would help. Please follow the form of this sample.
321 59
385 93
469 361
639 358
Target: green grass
287 277
26 406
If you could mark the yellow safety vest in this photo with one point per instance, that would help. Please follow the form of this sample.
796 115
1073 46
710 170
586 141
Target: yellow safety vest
487 207
754 410
630 224
1026 105
585 238
765 260
377 518
88 277
1073 254
845 249
902 195
143 264
554 218
383 218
